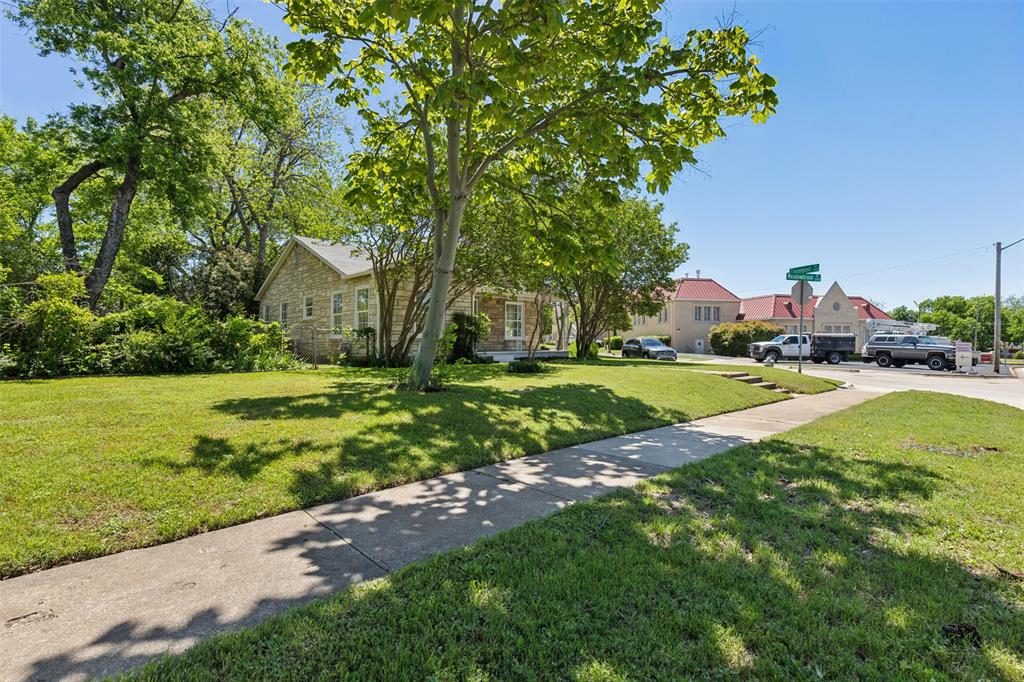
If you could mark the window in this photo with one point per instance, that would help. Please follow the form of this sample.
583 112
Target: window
307 307
696 313
718 314
266 312
513 321
337 310
707 313
663 314
846 329
284 315
362 308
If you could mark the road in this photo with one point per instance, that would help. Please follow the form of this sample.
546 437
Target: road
871 378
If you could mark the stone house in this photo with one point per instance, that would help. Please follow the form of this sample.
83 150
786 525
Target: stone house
319 290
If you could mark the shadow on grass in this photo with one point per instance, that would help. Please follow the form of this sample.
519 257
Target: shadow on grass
407 436
775 561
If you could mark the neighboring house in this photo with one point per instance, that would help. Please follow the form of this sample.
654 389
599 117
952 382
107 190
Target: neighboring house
695 306
698 304
835 312
321 288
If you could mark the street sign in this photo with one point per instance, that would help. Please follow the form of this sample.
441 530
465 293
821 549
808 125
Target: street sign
805 277
804 269
802 293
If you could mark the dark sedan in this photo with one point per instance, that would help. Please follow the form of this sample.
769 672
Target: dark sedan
651 349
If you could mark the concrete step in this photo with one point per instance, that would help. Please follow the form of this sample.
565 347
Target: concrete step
749 379
732 375
767 385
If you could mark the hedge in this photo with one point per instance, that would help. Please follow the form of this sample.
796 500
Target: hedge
732 338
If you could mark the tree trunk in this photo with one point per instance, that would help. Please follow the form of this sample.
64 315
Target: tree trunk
111 244
433 328
62 203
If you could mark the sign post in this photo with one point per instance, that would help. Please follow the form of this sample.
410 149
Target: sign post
802 294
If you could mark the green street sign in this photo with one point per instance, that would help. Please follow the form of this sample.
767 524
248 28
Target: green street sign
805 276
804 269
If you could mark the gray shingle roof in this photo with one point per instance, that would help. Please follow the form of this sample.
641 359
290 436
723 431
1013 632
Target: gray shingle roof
342 257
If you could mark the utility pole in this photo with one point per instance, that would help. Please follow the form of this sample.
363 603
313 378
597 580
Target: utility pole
997 333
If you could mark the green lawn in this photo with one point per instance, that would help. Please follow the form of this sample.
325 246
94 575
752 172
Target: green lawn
835 551
92 466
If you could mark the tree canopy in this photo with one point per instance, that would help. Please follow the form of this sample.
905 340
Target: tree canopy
594 85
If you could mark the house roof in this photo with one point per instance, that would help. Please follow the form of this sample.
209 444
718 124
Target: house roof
867 310
701 289
775 306
342 258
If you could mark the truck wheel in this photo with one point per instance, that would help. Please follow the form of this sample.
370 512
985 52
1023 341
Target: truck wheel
834 358
884 360
937 362
773 354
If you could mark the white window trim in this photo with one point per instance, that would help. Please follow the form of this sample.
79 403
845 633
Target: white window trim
522 320
355 308
282 316
266 312
306 308
335 332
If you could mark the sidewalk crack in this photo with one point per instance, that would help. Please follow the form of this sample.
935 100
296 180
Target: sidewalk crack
348 542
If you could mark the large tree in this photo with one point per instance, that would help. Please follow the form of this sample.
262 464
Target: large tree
638 253
596 82
156 70
30 158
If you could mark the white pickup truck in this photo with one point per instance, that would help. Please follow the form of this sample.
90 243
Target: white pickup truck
782 346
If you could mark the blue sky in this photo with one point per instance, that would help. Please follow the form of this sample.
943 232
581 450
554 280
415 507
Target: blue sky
899 142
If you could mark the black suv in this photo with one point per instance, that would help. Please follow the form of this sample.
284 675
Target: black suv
897 350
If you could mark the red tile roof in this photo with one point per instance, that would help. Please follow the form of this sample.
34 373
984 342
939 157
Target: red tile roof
868 310
773 306
701 289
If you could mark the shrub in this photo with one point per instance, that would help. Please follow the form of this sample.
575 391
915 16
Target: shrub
469 329
732 338
525 367
615 343
55 336
591 353
667 340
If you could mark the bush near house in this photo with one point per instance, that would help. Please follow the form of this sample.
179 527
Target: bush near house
615 343
55 336
591 353
732 338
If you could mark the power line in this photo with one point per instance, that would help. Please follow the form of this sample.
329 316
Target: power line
885 269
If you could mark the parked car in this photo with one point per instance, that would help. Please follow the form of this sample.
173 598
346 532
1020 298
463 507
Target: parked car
645 347
897 350
782 346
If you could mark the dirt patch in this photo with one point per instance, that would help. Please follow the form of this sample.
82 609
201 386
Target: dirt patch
971 451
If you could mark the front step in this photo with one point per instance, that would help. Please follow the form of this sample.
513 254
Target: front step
748 379
767 385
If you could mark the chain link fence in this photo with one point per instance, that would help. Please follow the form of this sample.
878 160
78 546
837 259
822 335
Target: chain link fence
324 346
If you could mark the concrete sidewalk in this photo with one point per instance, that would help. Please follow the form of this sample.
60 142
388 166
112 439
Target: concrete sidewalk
104 615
